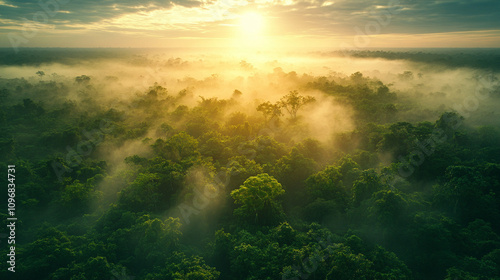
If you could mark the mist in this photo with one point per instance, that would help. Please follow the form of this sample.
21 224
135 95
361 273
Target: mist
184 146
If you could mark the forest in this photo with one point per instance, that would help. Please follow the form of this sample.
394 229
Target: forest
158 164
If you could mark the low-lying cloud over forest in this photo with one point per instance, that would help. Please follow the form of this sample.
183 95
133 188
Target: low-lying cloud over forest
196 165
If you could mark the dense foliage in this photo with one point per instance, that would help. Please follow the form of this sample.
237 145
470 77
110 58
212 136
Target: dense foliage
156 187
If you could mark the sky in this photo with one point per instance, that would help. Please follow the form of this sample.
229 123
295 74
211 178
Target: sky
258 24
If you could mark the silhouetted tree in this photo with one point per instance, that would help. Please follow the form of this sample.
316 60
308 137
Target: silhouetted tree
270 110
293 101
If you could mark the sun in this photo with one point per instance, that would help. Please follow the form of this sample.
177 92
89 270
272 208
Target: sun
251 31
251 24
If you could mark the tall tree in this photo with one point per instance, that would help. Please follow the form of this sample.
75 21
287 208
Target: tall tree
258 199
293 101
270 110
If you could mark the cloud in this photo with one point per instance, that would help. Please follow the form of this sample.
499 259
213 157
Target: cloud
213 18
88 11
3 3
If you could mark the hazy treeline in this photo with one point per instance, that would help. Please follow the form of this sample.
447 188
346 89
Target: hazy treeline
39 56
144 164
486 59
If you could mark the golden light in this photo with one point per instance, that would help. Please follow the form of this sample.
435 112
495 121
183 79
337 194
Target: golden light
251 24
250 31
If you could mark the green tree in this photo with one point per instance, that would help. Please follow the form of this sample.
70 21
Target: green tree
258 197
182 267
52 249
347 265
181 148
466 194
292 170
83 79
368 183
77 195
313 149
239 169
327 194
265 150
389 207
433 242
293 101
40 74
142 194
94 268
156 239
215 145
399 140
270 110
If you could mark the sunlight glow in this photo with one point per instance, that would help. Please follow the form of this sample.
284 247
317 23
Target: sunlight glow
250 30
251 24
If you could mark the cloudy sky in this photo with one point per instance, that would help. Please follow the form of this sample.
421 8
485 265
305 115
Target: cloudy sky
276 23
